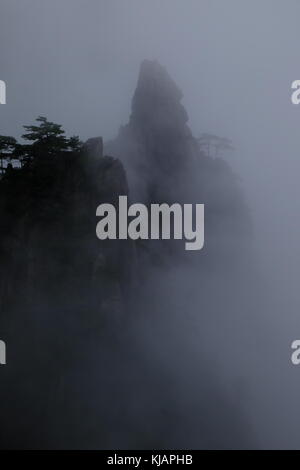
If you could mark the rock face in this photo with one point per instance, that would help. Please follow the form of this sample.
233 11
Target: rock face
109 327
159 120
156 146
94 148
164 163
49 242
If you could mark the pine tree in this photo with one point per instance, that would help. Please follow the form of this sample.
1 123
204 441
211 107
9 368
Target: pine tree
74 144
48 138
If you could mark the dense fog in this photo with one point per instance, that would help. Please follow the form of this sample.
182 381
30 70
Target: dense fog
77 63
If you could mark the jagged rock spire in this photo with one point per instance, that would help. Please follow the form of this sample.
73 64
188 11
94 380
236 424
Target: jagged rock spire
157 99
156 146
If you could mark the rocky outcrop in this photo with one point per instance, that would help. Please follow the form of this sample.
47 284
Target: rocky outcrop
164 163
111 329
156 146
50 249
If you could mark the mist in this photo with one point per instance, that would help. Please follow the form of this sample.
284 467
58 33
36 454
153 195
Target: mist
77 62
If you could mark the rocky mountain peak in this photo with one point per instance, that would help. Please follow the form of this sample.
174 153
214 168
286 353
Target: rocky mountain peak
157 99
